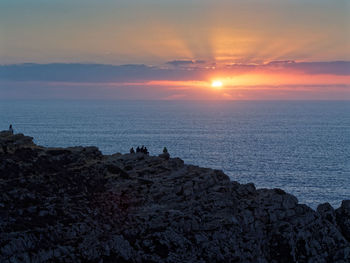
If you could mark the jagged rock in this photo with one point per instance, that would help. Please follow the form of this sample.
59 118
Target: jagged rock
77 205
10 142
343 218
165 156
327 212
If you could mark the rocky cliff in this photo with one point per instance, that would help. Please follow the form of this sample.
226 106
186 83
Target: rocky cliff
77 205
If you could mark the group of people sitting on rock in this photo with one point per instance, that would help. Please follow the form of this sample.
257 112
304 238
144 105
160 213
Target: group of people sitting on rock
141 149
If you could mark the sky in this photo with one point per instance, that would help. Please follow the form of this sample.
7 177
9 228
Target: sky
271 49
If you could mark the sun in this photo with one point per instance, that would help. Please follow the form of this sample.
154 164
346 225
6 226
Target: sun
216 84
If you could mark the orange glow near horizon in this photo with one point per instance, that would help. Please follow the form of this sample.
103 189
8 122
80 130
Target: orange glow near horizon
257 85
216 84
230 81
276 79
225 85
258 81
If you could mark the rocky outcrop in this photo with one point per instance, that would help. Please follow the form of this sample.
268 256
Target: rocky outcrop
77 205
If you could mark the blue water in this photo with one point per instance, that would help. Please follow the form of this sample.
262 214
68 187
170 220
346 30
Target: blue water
302 147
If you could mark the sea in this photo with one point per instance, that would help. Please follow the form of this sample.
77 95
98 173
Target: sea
302 147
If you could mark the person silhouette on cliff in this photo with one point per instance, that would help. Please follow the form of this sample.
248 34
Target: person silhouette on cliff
142 149
132 150
10 128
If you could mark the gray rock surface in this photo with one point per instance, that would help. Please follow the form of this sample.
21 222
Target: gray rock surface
77 205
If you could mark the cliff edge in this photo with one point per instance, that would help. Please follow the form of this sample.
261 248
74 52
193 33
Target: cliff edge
77 205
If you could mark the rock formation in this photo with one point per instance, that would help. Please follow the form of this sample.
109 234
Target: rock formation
77 205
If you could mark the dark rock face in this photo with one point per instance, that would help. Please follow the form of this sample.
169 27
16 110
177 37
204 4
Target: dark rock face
343 218
76 205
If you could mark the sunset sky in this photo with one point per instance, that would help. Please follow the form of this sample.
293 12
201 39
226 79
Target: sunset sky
272 49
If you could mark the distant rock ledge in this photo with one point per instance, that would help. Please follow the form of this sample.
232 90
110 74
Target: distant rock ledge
77 205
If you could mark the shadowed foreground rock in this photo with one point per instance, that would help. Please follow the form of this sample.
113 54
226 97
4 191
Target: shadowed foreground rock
77 205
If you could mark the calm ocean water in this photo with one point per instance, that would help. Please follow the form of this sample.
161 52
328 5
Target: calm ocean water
302 147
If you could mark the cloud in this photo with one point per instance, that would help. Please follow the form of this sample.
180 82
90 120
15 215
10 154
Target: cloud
184 70
179 63
341 68
100 73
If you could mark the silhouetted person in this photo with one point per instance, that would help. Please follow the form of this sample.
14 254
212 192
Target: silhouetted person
142 149
165 150
132 150
10 128
138 149
145 151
